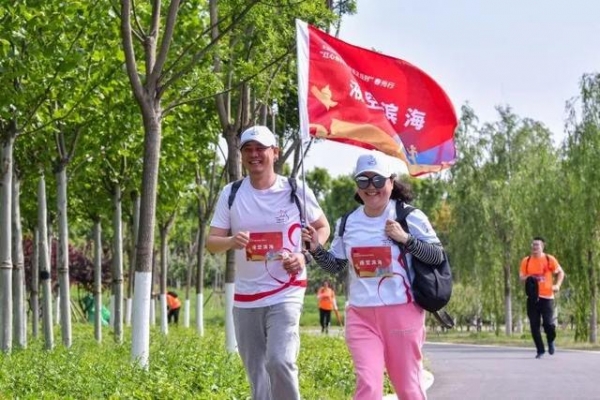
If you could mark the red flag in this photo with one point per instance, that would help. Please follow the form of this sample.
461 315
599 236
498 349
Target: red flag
368 99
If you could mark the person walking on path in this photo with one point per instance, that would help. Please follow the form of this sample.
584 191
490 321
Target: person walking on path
539 269
385 328
327 303
263 225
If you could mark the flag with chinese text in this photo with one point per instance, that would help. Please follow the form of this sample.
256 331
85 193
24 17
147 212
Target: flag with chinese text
368 99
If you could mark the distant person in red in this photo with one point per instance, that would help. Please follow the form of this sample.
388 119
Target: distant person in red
326 297
173 305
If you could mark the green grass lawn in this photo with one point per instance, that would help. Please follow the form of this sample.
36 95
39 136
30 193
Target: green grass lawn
182 366
186 366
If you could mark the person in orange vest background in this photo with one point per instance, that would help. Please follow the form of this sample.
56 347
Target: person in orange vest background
173 305
327 303
540 268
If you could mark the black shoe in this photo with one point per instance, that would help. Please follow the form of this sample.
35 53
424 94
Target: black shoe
551 348
539 355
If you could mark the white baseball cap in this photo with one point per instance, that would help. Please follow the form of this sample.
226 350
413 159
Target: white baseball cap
260 134
374 162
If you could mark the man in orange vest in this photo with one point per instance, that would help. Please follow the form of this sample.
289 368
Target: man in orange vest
173 305
326 297
541 267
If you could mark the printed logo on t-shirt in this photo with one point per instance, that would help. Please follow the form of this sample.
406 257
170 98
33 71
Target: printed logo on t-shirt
282 217
263 245
372 261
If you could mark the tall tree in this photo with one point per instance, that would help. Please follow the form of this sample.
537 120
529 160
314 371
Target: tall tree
488 193
582 171
179 81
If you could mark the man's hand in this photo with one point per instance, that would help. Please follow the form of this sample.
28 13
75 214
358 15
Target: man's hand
555 288
240 240
293 263
309 235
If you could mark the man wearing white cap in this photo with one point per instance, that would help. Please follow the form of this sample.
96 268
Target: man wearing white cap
261 218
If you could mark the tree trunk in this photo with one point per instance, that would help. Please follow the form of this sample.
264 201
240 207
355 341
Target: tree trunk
140 346
45 277
6 308
134 235
200 278
153 290
164 269
34 290
117 265
507 300
18 258
98 280
63 256
594 299
235 173
189 273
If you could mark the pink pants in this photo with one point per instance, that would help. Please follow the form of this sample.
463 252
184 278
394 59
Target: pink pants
387 337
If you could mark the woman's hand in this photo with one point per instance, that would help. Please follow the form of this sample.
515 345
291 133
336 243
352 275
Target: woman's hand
309 235
394 230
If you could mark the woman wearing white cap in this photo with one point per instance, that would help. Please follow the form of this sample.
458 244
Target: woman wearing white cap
263 226
384 326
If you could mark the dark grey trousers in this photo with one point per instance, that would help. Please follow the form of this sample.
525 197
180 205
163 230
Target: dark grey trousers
269 342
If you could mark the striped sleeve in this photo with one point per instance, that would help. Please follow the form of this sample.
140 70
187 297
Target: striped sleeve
429 253
327 261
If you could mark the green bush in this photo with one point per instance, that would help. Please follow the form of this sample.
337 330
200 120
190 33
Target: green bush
182 366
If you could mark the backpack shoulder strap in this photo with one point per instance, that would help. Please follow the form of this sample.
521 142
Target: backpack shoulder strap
294 197
294 185
343 221
527 264
234 188
402 212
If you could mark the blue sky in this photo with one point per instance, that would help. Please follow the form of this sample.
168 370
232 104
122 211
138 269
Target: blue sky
528 54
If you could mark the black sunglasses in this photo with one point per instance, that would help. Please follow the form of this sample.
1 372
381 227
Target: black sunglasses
363 182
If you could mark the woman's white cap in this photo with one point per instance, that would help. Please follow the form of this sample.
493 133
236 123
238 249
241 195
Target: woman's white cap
374 162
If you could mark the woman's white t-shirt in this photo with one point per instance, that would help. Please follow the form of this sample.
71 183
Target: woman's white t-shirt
378 275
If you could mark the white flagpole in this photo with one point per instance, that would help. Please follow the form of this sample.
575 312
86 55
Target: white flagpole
302 53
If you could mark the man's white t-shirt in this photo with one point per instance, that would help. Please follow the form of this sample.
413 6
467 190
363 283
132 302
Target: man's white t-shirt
273 220
377 274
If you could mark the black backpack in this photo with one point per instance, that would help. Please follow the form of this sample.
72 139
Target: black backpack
431 284
532 289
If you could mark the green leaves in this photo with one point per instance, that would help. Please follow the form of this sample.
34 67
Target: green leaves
183 366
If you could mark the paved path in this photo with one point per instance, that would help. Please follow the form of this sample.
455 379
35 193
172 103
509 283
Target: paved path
470 372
